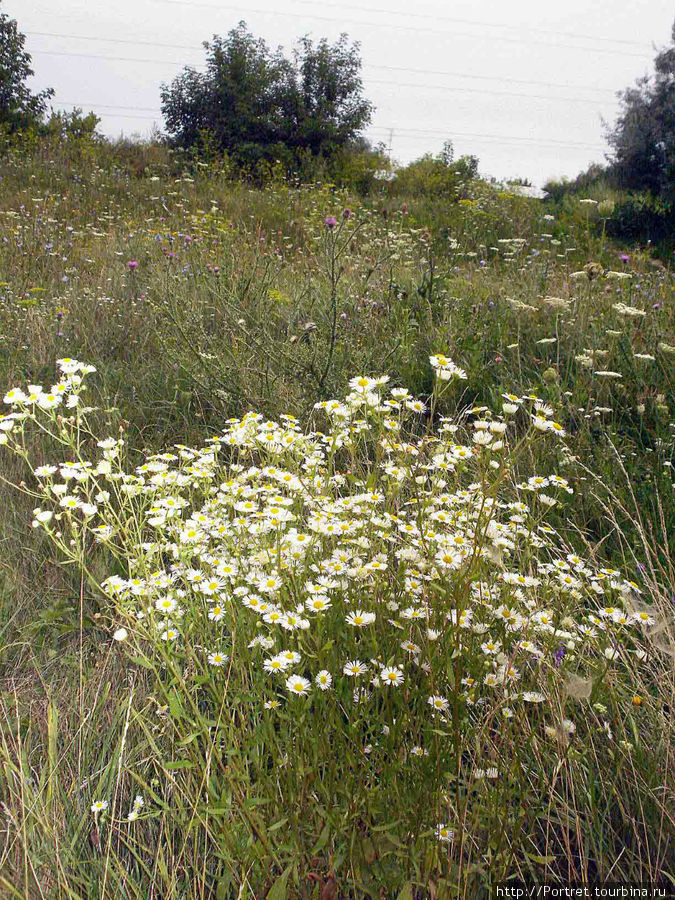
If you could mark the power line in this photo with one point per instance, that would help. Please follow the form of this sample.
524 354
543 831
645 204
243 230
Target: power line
573 87
112 115
386 83
402 131
150 109
449 132
173 62
461 90
433 16
107 40
389 25
480 141
83 37
442 18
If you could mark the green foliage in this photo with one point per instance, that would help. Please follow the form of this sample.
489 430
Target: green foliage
640 175
643 139
20 108
626 216
72 126
435 176
595 178
246 299
333 627
258 106
642 217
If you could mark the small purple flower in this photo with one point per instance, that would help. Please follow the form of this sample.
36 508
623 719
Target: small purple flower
559 655
624 258
132 264
331 221
347 214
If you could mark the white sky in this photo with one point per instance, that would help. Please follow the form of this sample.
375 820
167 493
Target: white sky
435 69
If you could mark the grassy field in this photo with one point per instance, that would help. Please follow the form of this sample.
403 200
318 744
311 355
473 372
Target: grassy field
472 605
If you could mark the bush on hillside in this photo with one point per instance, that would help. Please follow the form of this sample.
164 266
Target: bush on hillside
257 105
641 217
437 175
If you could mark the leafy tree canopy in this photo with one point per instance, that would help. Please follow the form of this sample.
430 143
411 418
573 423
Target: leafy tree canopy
19 106
257 104
643 139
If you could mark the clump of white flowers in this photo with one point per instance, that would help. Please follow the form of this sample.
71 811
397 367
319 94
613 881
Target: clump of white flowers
388 568
632 312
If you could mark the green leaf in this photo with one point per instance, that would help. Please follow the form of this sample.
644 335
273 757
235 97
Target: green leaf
175 705
323 839
388 827
279 890
369 852
142 661
223 887
179 764
541 860
406 892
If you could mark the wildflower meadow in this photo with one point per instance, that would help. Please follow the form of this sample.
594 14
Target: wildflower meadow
336 537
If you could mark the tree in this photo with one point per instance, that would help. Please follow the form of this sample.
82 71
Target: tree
256 104
643 139
437 176
325 93
73 125
237 101
19 107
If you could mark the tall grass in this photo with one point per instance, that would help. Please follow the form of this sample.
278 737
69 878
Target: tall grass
245 299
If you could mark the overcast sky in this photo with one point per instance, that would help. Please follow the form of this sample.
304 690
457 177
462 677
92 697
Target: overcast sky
522 84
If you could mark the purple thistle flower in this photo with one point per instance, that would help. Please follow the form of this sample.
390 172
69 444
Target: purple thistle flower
331 221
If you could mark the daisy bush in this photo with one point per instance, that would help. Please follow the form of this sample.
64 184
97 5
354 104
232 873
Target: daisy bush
367 653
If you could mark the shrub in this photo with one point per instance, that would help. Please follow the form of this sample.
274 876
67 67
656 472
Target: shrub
257 105
641 217
435 176
373 659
